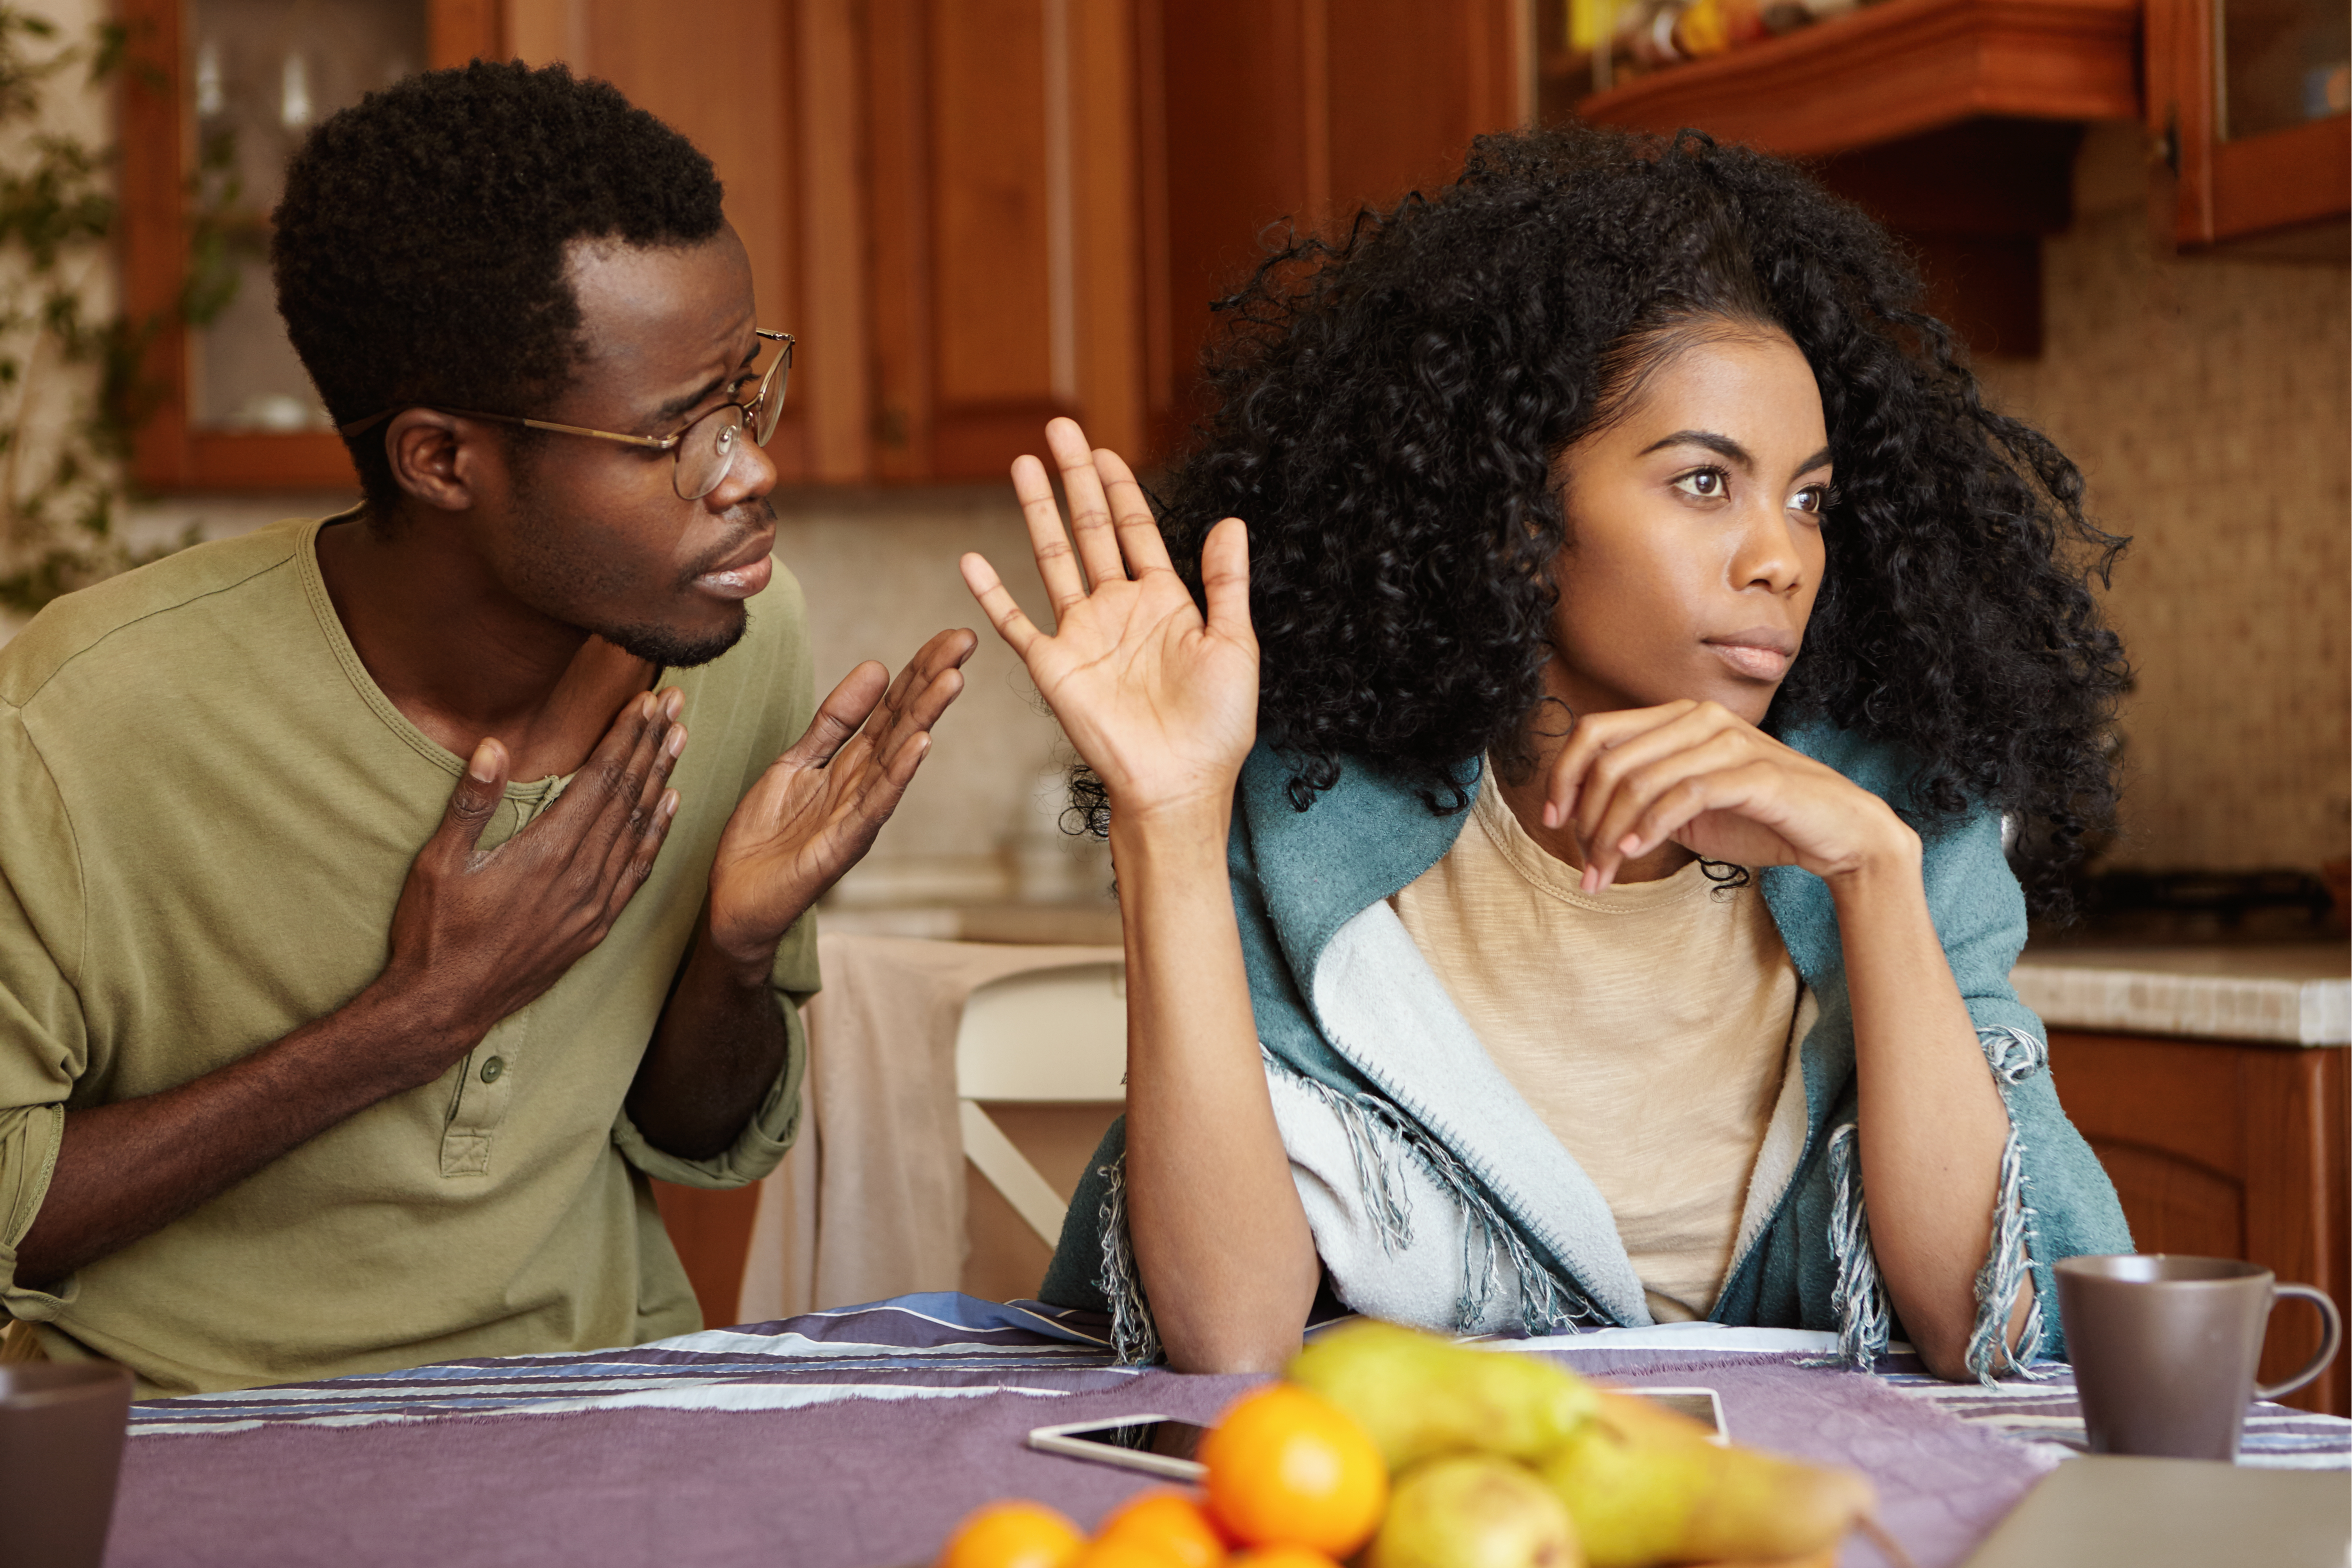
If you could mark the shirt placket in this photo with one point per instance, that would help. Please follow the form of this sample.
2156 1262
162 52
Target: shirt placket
487 1077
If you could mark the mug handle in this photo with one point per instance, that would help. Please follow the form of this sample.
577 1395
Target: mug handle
2328 1342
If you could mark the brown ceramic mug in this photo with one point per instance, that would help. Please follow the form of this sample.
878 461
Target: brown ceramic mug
2165 1348
61 1430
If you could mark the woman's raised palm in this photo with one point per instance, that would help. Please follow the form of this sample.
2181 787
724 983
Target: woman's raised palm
1159 701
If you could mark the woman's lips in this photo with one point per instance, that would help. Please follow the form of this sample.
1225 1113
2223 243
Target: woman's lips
738 582
1759 656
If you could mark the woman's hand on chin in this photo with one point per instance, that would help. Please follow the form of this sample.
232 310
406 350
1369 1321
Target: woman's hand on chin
1162 703
1699 774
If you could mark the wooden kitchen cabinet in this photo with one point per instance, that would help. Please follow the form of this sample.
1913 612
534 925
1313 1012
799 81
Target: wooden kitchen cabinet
1300 112
974 215
1057 189
2246 103
1894 70
187 85
1003 213
2228 1150
1954 123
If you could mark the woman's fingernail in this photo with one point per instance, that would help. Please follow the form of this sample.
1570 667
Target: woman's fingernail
480 765
1630 845
669 804
674 742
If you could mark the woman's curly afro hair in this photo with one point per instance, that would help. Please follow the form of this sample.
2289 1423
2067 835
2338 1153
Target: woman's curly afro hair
420 248
1390 409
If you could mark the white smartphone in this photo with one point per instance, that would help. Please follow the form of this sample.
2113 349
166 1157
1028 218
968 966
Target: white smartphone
1703 1406
1159 1445
1155 1445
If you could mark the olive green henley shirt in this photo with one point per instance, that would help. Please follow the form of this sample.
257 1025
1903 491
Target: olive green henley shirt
208 809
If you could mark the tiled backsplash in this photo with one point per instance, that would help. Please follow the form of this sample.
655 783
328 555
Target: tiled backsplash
879 569
2208 401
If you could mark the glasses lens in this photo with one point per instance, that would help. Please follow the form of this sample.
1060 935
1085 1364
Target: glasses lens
707 451
770 403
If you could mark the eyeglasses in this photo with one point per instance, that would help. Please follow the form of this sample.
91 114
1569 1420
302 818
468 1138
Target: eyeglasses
705 450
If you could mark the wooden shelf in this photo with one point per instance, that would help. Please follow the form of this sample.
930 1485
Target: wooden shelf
1895 70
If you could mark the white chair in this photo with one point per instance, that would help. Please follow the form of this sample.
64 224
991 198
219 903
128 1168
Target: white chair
1047 1034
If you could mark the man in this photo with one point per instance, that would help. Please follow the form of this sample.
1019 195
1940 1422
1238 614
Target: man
283 1096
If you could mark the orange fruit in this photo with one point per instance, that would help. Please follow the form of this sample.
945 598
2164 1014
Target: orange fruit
1170 1522
1288 1467
1013 1534
1125 1551
1281 1557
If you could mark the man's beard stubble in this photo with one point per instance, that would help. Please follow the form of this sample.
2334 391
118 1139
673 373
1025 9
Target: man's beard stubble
669 650
574 579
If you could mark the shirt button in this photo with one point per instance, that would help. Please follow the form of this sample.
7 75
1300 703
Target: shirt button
493 1069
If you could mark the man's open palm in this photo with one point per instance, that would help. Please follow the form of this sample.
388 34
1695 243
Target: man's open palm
815 811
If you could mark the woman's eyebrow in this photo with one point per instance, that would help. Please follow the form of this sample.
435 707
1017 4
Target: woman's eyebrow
1820 459
1721 446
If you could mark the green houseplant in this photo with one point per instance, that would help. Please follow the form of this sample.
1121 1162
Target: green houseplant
73 387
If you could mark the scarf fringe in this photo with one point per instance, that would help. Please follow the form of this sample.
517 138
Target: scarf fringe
1863 1317
1134 1337
2014 1055
1377 1145
1380 1139
2007 1266
1859 1297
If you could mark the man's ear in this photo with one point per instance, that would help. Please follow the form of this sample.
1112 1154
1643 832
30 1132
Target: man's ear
438 458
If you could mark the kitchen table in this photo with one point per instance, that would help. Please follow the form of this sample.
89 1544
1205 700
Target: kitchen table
856 1439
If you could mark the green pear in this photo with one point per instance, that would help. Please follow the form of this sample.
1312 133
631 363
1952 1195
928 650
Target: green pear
1473 1510
1420 1395
1646 1488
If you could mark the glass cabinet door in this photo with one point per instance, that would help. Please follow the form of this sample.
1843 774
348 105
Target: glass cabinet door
260 74
218 94
2282 63
2246 108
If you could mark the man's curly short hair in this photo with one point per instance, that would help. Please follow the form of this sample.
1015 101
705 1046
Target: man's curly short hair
1392 406
419 252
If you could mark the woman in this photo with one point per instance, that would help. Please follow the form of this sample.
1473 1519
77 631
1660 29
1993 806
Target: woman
1598 888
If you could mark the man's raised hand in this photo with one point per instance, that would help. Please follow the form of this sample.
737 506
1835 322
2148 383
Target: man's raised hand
1161 702
814 813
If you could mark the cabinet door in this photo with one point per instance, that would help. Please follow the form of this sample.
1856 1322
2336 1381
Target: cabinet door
939 198
235 409
1262 113
2246 100
767 93
1004 272
2228 1151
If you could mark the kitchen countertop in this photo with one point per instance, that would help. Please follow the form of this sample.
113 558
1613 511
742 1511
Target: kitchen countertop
2295 993
2285 992
1069 925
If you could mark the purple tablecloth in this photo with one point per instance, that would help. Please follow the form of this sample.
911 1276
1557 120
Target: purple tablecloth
857 1439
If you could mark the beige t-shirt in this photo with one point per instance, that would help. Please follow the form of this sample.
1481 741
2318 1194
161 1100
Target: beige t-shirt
207 808
1648 1025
